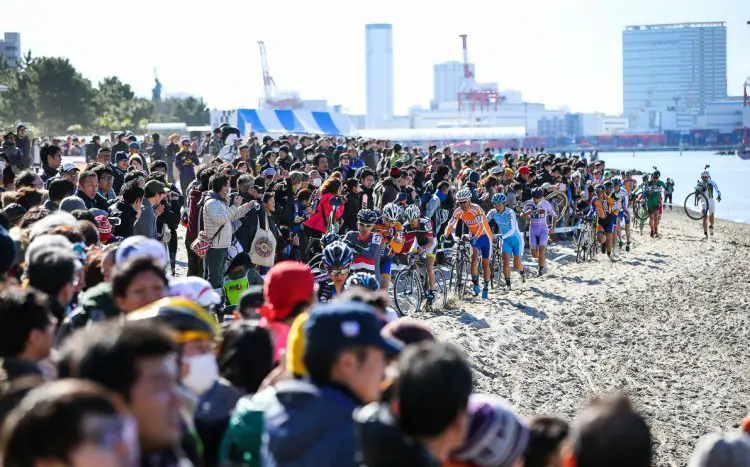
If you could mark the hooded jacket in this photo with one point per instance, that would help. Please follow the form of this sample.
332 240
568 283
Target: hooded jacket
217 220
308 425
126 213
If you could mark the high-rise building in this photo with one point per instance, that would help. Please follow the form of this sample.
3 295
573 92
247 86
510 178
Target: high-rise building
378 73
448 77
10 48
673 66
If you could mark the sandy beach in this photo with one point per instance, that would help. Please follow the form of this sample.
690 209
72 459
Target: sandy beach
667 323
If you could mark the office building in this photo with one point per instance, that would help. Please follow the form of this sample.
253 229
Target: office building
673 66
378 73
447 80
10 48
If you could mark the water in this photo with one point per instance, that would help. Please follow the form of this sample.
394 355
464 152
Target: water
729 172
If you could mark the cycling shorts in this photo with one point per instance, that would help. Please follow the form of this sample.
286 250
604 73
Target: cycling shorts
385 266
430 248
484 245
513 245
538 236
625 216
711 206
608 223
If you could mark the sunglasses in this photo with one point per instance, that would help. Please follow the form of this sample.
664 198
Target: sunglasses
463 202
368 226
339 272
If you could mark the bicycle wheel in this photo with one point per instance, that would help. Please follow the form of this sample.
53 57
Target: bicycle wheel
559 202
696 205
581 245
640 207
407 292
496 270
441 289
459 280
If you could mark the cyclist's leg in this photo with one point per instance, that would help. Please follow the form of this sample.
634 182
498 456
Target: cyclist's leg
474 263
711 211
506 265
385 273
431 263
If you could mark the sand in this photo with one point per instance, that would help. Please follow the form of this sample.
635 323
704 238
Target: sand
667 323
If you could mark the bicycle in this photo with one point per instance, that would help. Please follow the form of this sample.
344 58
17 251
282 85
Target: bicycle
559 202
496 262
412 283
461 267
694 200
586 236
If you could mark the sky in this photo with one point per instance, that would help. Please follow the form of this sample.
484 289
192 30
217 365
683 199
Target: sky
558 52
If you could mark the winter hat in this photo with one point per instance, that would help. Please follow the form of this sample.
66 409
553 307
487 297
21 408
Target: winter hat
105 228
194 289
295 346
395 172
722 450
72 203
496 438
287 284
139 245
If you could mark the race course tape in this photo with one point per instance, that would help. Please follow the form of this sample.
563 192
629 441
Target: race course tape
561 230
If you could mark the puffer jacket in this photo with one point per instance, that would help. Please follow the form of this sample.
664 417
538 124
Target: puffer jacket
217 215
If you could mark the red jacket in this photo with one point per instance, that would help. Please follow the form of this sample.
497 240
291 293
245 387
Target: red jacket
319 218
192 228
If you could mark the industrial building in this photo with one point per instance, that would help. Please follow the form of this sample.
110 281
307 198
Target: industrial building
378 73
672 67
10 48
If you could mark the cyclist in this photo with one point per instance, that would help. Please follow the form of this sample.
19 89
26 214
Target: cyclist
365 243
337 259
629 183
393 240
654 190
603 205
622 204
418 235
539 210
475 220
708 186
505 219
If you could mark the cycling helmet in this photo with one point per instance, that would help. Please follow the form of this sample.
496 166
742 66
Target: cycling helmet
537 193
607 174
338 255
608 185
367 216
328 238
499 198
188 319
463 194
497 436
617 181
412 212
362 279
656 174
705 174
600 187
392 212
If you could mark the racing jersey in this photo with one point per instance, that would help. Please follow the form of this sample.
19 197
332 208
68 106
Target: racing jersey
326 292
539 212
629 184
709 187
422 234
622 201
616 204
393 236
603 205
475 220
366 252
505 221
653 193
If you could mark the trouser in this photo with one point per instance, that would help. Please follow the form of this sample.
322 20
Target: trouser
184 186
172 246
213 266
195 263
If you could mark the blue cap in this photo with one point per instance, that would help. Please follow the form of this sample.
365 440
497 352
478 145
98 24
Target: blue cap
338 325
134 144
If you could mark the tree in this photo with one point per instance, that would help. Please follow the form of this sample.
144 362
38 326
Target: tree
190 111
116 106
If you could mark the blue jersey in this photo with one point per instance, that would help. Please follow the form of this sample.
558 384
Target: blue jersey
506 222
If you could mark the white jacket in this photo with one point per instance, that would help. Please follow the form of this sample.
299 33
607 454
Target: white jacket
217 215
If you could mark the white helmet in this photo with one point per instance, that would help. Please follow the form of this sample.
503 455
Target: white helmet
392 212
705 174
412 212
463 195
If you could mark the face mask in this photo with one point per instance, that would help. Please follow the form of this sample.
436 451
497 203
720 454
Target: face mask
316 182
276 150
310 157
204 371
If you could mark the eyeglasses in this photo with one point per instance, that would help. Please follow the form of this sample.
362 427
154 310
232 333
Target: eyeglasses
107 178
339 272
367 226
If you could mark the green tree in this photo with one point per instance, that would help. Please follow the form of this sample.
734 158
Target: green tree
117 107
190 111
63 96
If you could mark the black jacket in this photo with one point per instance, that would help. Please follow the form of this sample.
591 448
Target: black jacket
368 157
351 208
17 377
127 215
91 150
118 178
24 144
172 150
120 146
158 153
48 173
98 201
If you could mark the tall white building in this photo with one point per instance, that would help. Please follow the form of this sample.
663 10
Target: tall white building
10 48
378 73
448 77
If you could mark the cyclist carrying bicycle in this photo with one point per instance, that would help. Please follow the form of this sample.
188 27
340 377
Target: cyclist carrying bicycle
654 189
418 236
505 220
604 207
540 211
365 243
337 259
708 186
479 232
622 204
393 240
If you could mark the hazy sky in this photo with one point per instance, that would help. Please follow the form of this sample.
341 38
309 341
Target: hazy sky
560 52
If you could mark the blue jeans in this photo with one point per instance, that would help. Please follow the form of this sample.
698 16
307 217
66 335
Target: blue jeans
213 266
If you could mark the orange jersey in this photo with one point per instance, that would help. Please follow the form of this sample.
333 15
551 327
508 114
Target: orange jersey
629 184
475 220
604 205
394 236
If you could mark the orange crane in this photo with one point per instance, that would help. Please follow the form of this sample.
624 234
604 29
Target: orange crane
470 96
272 98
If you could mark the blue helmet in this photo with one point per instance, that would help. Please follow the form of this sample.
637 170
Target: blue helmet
499 198
328 238
367 216
338 255
363 279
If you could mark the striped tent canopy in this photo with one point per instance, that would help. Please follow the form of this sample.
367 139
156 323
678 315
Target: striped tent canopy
293 121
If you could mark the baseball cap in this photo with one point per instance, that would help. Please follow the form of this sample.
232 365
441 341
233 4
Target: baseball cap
20 126
138 245
69 168
185 140
269 172
154 187
338 325
103 150
121 156
280 297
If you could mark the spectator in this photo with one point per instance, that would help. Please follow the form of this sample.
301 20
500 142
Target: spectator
59 189
387 191
127 209
88 184
171 152
318 222
151 208
245 355
186 161
28 179
194 203
51 161
24 145
722 450
137 283
545 442
55 272
92 149
105 177
121 145
29 198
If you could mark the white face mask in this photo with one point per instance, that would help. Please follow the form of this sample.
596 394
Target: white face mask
276 150
311 157
316 182
203 372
